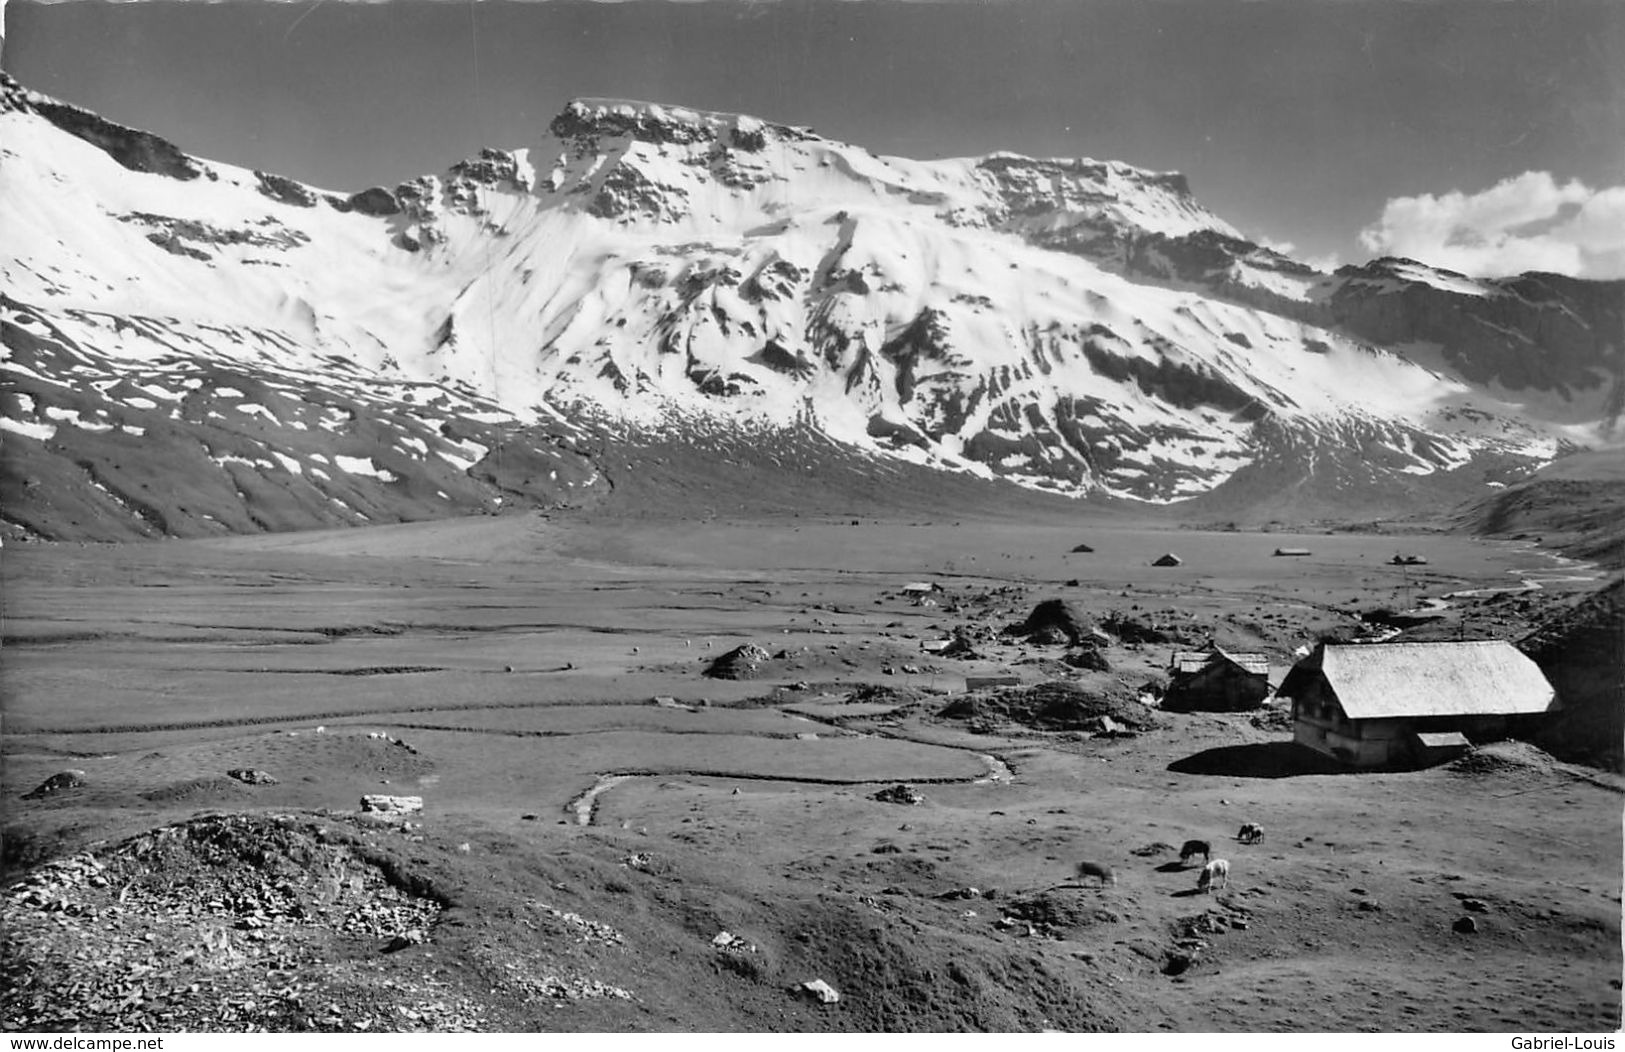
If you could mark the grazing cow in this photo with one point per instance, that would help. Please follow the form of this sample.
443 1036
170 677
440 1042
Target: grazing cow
1094 869
1217 870
1251 833
1193 848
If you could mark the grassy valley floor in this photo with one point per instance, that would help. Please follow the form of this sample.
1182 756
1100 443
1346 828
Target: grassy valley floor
590 858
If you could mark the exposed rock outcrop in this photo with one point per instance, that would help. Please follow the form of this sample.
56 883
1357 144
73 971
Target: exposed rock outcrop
1054 622
136 150
742 662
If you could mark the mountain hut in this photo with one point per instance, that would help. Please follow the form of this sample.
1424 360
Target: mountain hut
1169 559
1279 552
1381 704
1216 680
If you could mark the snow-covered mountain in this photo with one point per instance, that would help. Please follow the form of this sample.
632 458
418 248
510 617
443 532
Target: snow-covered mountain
194 347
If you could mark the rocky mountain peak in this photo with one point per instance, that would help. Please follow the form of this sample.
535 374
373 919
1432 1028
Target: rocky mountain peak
654 123
1071 325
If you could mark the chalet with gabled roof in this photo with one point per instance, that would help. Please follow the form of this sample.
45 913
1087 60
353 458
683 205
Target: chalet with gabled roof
1383 704
1216 680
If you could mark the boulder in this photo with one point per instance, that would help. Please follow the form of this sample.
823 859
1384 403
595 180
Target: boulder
1087 657
899 794
1049 636
1053 622
960 646
1131 631
741 662
250 776
60 782
410 937
391 806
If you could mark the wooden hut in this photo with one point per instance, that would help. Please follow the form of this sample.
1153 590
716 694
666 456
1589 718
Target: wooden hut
1169 559
1216 680
1380 704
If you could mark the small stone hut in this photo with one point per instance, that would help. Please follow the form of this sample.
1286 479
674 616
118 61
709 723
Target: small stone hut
1382 704
1216 680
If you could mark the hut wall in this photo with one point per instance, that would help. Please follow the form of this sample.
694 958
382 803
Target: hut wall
1362 746
1318 722
1316 716
1311 733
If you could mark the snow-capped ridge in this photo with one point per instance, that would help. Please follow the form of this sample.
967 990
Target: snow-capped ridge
1074 325
137 150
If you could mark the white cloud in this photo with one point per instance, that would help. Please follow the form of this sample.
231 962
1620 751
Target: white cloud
1326 263
1527 222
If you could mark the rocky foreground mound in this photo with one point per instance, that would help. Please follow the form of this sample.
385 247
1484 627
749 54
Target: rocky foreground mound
229 922
354 923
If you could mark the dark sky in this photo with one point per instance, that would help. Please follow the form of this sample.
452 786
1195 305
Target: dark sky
1295 119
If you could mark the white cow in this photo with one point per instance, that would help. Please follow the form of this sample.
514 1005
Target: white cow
1213 872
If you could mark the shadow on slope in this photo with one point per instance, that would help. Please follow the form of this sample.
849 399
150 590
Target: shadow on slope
1259 760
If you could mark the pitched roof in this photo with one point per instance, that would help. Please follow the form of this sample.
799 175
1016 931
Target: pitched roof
1189 661
1473 678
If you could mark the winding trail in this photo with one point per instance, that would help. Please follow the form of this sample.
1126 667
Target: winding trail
585 806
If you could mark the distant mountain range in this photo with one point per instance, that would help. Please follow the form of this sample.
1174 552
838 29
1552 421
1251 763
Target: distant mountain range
194 348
